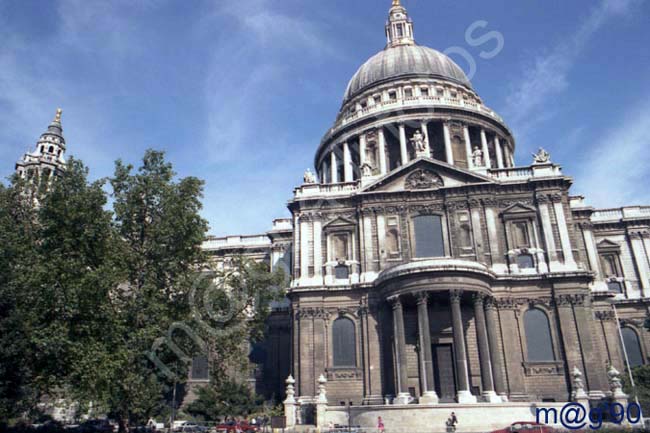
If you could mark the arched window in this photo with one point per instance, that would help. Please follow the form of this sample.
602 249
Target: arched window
538 336
343 342
427 233
51 149
632 347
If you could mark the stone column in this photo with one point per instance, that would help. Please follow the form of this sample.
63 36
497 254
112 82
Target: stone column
318 253
484 351
448 149
362 149
464 393
547 227
565 241
468 147
594 361
425 132
640 260
304 249
499 152
403 144
498 261
486 150
512 349
403 395
590 246
347 163
429 395
382 151
334 167
496 354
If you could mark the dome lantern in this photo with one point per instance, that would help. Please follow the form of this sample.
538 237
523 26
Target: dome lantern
399 28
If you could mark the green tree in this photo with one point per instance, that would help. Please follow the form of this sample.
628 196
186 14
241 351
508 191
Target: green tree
16 252
229 398
641 375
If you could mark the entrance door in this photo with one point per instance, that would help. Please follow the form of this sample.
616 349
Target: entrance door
444 372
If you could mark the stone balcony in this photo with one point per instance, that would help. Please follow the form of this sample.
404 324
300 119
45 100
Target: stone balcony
415 101
215 243
620 214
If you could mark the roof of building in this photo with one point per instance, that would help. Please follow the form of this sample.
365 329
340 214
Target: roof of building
404 61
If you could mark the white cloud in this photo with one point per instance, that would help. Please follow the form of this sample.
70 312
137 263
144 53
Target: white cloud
613 172
548 74
270 46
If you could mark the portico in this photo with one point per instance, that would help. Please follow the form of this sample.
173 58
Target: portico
447 298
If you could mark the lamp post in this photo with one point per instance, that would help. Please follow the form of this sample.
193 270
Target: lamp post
612 302
349 405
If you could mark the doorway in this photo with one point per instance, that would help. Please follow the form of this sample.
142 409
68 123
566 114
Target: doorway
444 372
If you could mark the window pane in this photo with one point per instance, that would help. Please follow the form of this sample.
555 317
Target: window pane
525 261
538 336
615 286
344 346
341 272
632 346
428 236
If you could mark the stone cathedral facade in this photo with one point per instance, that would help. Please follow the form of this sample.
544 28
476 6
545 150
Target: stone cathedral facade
426 267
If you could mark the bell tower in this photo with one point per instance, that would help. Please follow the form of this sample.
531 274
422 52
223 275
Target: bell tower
48 159
399 28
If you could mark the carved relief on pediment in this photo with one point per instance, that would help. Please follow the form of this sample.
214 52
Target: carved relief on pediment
423 179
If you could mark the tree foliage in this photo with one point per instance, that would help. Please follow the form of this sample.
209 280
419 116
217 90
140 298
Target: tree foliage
228 398
87 290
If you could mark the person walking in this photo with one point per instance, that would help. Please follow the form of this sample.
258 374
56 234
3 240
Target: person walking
452 421
380 425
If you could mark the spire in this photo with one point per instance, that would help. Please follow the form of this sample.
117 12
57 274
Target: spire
49 155
57 117
399 28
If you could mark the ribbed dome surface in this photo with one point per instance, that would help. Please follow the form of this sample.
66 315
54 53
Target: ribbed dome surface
404 60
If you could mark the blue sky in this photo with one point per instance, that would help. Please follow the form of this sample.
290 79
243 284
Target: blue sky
239 92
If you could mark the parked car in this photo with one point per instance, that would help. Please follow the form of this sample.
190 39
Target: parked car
95 426
237 427
526 427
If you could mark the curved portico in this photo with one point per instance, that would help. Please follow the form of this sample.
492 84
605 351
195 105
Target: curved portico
453 286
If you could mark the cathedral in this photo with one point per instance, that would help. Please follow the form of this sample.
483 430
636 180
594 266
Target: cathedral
427 269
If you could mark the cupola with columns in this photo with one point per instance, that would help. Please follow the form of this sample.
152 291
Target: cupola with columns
406 102
48 158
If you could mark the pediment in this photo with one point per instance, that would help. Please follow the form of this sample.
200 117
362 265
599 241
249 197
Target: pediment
518 208
338 222
606 244
424 174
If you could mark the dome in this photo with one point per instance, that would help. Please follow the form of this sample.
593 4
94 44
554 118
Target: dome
404 61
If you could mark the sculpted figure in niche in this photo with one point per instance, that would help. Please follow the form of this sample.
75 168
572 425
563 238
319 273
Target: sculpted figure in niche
477 157
309 177
419 142
366 170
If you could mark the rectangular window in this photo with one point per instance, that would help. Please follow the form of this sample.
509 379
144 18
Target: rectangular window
427 233
520 235
424 91
392 95
408 93
400 30
377 100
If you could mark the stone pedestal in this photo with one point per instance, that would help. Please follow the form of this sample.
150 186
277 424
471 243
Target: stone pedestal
465 396
290 403
491 397
321 403
429 397
403 398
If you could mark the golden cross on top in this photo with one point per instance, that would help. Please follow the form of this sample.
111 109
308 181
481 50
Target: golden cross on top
57 118
396 3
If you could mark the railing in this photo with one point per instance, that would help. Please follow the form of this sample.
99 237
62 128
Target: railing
236 241
621 213
317 189
415 101
516 173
